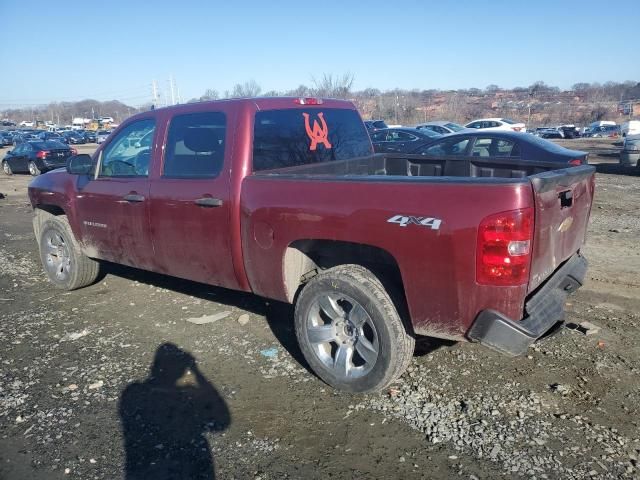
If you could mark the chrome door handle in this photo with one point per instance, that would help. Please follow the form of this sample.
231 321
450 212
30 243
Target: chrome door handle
133 198
208 202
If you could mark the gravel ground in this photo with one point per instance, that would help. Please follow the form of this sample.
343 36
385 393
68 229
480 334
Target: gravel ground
89 376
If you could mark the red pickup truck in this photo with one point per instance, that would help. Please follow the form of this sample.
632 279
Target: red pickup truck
283 197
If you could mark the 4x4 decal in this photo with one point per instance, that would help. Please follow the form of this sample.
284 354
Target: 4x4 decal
404 220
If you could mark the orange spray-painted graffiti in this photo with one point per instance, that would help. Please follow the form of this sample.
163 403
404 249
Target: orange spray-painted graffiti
319 133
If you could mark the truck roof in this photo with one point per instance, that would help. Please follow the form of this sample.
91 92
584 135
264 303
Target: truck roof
264 103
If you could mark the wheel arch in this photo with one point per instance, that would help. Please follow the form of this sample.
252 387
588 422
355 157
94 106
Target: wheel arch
303 259
42 212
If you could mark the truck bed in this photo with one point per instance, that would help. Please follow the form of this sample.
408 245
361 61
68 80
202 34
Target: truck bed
413 165
356 201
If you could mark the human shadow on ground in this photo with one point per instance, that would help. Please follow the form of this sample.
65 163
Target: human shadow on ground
165 418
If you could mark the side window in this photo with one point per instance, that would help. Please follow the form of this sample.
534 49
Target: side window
492 147
195 145
379 136
128 153
481 147
446 147
475 125
501 148
403 137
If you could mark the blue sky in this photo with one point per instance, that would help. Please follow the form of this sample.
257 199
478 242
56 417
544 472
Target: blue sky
53 51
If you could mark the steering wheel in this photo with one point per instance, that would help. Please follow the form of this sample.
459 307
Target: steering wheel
120 167
141 162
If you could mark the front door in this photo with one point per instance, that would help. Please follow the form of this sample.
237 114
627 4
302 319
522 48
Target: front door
190 200
18 160
113 205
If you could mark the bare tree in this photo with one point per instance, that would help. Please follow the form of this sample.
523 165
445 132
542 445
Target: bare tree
331 86
245 90
209 94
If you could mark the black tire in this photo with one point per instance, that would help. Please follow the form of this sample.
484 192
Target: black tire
6 168
33 169
395 344
68 268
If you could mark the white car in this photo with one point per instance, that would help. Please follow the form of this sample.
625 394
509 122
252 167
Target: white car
632 127
497 124
24 123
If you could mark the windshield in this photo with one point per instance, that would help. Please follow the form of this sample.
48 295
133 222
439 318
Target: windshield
509 121
454 126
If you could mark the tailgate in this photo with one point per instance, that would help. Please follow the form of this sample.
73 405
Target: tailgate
562 206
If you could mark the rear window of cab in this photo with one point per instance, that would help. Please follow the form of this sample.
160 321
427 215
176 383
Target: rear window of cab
294 137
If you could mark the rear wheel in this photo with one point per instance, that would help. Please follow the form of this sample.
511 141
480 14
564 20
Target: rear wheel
6 168
350 332
65 264
33 169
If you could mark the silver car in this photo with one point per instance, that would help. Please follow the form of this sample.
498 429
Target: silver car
630 154
101 136
440 126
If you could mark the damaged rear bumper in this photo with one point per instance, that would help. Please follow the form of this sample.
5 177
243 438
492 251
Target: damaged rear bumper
543 310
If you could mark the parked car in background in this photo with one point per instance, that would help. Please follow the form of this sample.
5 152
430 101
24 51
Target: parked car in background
547 132
503 145
497 124
630 154
26 123
6 139
601 123
26 135
36 157
632 127
400 139
74 138
373 125
52 136
440 126
101 136
90 136
604 131
569 131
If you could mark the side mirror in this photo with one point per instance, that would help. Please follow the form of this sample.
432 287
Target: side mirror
80 164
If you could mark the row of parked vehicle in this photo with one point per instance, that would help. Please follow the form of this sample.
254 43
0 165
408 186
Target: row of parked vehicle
69 137
38 151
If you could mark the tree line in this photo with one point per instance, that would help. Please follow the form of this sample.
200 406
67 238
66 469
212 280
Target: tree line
537 104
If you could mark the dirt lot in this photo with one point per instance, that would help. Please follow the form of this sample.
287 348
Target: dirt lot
77 391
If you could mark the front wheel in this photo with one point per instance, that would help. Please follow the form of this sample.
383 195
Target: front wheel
33 169
63 261
6 168
350 332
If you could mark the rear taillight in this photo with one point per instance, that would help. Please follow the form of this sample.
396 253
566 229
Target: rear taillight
42 154
517 129
575 162
503 255
308 101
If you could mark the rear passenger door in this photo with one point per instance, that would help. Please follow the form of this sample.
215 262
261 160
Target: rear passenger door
190 199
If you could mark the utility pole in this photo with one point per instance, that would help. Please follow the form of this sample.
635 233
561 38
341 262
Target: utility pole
173 94
154 92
